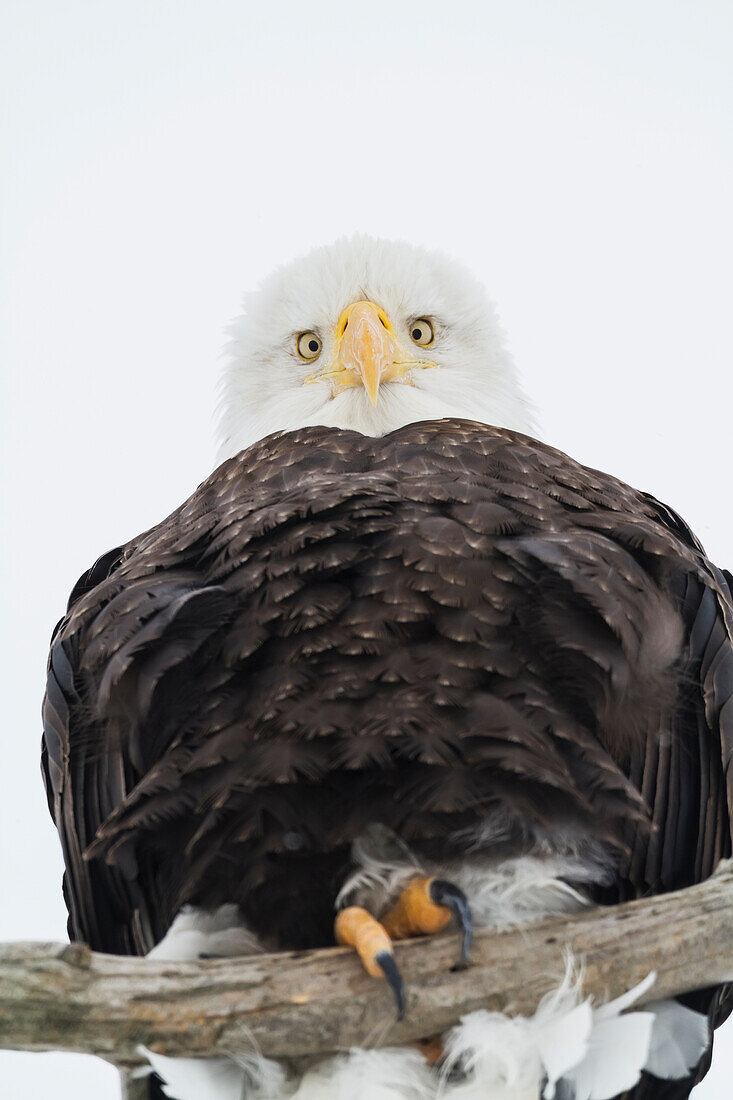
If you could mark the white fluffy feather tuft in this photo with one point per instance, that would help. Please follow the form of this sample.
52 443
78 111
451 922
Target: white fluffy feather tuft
527 889
262 387
504 891
390 1074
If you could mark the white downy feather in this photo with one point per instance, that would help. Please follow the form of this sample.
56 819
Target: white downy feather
390 1074
489 1056
503 891
524 890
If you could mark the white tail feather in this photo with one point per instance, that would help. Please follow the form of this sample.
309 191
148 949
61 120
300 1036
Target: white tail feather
199 1078
679 1039
617 1051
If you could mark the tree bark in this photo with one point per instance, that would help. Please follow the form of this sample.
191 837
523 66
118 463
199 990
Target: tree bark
299 1004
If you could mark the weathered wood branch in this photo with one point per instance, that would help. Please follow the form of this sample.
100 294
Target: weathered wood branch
297 1004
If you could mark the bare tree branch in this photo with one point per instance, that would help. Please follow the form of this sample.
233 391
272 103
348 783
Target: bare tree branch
298 1004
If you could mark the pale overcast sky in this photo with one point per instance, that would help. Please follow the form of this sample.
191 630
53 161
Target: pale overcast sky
160 156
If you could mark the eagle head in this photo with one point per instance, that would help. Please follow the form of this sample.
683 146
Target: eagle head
369 335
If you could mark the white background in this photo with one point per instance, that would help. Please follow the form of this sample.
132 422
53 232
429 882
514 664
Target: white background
159 157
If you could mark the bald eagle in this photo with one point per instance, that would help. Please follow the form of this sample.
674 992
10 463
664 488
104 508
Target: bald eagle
394 663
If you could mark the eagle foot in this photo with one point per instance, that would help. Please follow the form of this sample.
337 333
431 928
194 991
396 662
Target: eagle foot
354 927
426 906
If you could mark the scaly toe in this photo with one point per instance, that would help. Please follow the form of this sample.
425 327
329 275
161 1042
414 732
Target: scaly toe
355 927
426 906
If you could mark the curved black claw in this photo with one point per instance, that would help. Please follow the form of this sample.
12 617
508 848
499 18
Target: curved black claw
391 971
453 898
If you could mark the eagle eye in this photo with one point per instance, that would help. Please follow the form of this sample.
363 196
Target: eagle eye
422 332
309 345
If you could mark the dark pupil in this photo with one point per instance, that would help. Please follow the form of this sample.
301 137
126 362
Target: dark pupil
417 334
313 345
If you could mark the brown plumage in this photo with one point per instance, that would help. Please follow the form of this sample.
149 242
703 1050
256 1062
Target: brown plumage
419 629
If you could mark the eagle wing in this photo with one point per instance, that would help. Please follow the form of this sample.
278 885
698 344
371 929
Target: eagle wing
87 776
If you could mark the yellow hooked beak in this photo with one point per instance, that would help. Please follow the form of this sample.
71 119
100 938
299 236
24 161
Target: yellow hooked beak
367 353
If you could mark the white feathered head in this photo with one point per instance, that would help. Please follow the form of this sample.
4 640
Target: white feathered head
369 335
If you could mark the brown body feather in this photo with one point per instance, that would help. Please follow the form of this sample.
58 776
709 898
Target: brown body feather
420 630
